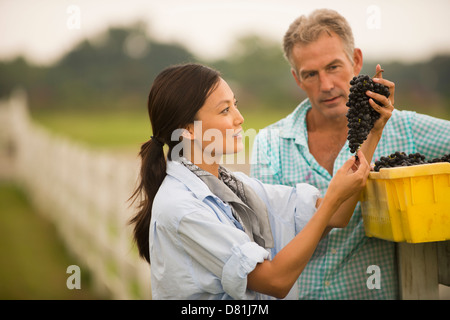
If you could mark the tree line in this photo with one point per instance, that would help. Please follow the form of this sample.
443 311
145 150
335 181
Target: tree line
117 72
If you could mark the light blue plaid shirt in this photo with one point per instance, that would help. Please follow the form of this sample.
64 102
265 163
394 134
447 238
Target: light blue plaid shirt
339 268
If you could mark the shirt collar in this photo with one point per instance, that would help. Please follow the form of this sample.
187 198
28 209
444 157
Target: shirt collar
294 126
189 179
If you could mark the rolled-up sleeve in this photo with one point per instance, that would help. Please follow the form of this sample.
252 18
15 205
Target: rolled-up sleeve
242 261
223 250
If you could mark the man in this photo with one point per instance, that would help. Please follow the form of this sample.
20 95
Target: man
310 144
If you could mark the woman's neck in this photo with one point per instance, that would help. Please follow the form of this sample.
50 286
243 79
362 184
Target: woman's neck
210 165
211 168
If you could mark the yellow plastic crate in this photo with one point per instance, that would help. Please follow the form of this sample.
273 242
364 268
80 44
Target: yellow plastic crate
408 204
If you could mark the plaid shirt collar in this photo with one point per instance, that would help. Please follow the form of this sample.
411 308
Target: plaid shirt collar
295 126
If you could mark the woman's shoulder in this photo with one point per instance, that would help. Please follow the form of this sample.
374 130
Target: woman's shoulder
174 200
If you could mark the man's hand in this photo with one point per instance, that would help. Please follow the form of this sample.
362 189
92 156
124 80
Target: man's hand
385 111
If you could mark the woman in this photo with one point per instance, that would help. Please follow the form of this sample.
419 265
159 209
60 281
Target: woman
213 234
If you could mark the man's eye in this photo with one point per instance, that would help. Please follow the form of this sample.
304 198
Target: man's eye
310 75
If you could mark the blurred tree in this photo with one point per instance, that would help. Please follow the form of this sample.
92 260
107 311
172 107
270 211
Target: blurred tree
260 74
115 70
114 73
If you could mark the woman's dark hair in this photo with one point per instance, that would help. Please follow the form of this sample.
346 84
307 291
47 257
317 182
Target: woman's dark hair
176 95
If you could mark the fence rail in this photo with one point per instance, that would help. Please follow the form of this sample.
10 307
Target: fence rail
83 192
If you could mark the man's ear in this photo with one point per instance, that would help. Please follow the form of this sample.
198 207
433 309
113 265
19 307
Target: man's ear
357 61
297 80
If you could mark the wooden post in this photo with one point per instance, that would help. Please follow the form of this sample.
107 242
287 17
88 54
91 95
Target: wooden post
444 262
418 271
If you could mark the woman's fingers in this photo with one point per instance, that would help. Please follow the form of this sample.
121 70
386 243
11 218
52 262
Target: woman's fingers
363 164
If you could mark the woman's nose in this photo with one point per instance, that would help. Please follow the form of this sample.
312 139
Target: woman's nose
239 119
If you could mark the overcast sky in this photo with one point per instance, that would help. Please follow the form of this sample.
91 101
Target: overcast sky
43 30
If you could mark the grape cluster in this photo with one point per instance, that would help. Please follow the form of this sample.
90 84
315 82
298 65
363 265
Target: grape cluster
361 116
444 158
400 159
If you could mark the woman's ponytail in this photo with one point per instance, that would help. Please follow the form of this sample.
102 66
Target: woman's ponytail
153 172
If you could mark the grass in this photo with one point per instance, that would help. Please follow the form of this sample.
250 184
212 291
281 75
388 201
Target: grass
126 131
34 261
114 130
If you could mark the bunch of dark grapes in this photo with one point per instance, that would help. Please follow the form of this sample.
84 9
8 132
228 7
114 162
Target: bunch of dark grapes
361 116
444 158
400 159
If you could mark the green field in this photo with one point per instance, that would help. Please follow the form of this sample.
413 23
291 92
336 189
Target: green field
126 131
34 261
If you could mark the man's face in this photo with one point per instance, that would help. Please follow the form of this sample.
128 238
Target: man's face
324 72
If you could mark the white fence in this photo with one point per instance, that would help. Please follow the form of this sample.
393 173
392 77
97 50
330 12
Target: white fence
83 192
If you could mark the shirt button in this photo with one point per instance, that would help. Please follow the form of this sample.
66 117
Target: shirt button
333 251
327 283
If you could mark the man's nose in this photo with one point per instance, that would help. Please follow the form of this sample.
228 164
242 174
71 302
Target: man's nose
326 82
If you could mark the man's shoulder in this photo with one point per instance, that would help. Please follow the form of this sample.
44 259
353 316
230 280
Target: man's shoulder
402 114
291 121
401 118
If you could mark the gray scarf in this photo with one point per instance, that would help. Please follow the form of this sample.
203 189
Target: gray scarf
248 209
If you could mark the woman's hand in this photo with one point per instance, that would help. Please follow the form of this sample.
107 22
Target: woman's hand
350 179
385 111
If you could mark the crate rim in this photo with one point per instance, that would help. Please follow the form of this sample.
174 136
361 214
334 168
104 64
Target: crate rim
412 171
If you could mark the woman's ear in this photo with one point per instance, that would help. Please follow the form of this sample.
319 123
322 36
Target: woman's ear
188 132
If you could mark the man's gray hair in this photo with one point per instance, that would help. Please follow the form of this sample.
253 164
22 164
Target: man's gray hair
307 29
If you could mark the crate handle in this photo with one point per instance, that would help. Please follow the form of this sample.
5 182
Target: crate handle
434 189
399 198
411 189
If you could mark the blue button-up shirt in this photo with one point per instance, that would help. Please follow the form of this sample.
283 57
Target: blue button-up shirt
197 248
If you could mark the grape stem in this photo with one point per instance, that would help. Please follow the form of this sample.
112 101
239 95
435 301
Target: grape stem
376 74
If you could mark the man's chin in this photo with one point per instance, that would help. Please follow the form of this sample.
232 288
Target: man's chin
336 111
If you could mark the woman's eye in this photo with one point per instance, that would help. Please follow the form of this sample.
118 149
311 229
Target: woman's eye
225 110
